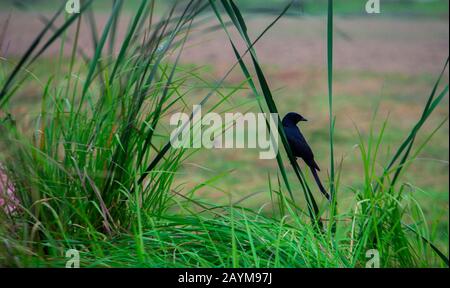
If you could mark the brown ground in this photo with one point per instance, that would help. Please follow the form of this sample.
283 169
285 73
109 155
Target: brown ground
410 46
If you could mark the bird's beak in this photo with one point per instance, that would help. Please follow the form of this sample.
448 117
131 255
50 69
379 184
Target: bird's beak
304 119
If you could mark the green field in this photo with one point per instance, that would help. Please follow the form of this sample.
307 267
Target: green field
83 132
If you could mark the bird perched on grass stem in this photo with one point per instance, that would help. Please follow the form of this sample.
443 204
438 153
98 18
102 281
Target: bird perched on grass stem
300 147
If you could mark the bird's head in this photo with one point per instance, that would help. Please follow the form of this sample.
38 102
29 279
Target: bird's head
292 118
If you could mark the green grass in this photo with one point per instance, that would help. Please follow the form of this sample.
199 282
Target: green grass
95 171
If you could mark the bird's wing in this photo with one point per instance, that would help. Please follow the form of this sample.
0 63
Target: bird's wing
301 149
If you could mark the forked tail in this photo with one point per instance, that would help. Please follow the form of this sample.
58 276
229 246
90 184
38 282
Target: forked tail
321 188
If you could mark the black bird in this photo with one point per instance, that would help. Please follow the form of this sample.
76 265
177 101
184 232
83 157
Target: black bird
300 147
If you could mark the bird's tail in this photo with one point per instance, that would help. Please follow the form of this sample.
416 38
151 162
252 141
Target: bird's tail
319 183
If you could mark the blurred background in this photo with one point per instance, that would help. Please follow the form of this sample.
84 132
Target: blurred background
386 62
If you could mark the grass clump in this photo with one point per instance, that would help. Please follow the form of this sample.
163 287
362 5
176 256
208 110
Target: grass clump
95 172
